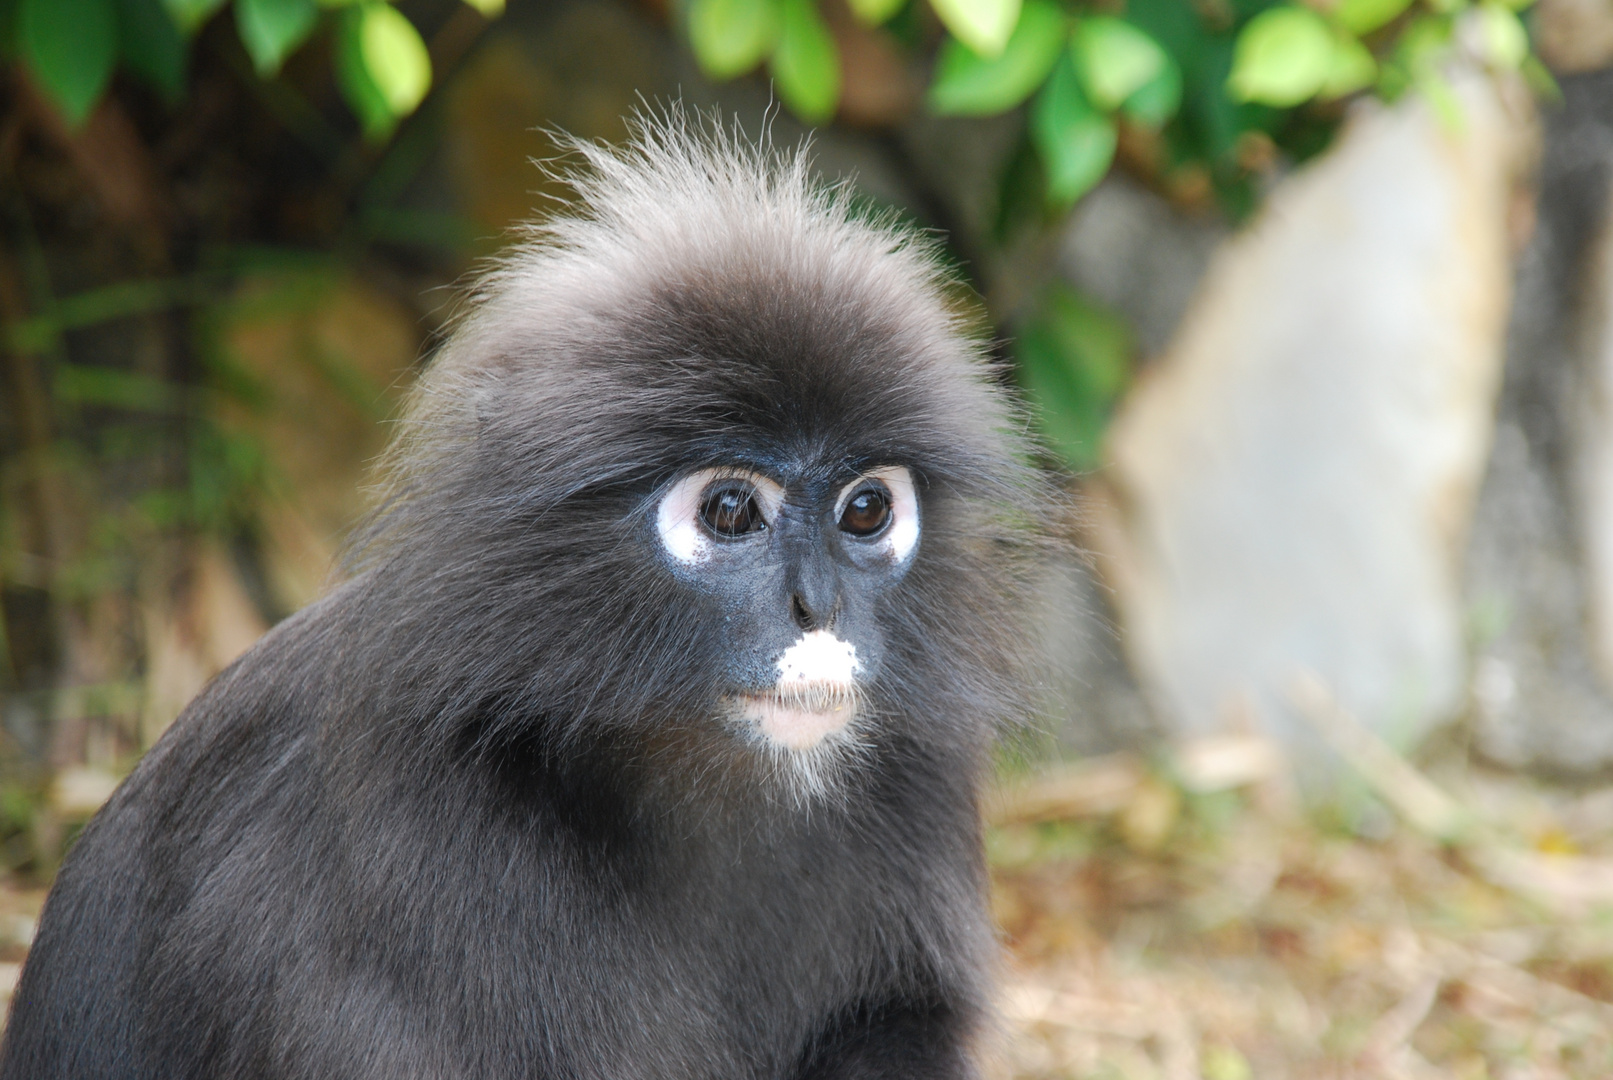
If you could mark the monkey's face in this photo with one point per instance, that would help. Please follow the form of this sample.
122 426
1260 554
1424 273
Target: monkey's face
793 564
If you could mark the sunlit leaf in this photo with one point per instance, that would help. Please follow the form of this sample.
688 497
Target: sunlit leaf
272 29
70 46
1283 56
1115 59
190 14
1505 40
1423 43
492 9
1439 93
983 25
1353 68
395 57
363 96
969 84
876 12
151 46
805 67
729 37
1157 100
1075 141
1365 16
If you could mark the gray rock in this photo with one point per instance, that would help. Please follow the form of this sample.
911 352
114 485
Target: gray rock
1537 564
1290 486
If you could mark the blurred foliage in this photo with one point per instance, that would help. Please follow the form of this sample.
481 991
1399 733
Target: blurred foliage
72 47
1198 91
183 175
1200 75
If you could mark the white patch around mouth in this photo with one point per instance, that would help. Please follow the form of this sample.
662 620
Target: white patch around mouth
818 657
815 696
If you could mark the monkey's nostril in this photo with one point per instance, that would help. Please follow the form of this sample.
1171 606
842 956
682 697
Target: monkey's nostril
798 610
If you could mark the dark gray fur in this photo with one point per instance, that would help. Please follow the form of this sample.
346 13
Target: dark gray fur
470 816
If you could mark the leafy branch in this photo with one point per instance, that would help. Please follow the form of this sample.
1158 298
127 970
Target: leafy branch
1088 70
72 47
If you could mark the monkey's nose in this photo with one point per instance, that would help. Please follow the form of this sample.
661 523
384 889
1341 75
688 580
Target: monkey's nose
803 615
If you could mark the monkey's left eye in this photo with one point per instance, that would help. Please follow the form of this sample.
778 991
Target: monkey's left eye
731 510
866 512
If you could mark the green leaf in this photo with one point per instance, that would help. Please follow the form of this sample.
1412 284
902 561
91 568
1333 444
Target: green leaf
272 29
1074 358
1157 100
363 96
1439 93
806 68
152 47
395 57
1283 56
70 46
729 37
1424 43
1353 68
190 14
1075 141
1540 80
876 12
1365 16
983 25
81 384
1506 42
490 9
1115 59
968 84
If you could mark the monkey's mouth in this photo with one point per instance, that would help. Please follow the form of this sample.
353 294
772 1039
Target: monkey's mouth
800 715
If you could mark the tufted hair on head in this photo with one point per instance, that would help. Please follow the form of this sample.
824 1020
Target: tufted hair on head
701 293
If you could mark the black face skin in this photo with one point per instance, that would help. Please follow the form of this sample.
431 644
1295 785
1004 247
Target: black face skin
483 811
789 547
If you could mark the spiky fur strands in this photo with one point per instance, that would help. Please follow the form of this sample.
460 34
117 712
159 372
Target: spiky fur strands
587 370
475 813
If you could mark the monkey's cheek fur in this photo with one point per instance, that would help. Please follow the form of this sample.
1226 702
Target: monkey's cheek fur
793 725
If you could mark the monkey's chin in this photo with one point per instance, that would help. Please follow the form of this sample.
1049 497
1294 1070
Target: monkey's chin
793 724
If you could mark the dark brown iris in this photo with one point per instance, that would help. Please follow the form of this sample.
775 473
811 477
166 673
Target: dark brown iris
866 512
731 511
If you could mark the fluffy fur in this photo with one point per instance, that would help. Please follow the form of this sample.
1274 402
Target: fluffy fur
479 811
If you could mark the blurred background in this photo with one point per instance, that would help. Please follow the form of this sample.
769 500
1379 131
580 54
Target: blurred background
1312 304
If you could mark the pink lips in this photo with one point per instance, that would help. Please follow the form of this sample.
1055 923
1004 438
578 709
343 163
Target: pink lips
791 724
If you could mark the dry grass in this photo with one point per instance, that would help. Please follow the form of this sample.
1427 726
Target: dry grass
1180 933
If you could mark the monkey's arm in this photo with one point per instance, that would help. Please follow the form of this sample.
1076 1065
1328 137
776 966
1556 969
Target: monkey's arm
901 1041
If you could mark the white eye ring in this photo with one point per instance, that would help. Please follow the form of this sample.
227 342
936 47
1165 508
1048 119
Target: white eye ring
901 536
677 517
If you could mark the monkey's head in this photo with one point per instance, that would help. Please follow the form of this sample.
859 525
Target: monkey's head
710 468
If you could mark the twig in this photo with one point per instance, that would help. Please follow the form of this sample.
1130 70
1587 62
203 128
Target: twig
1412 794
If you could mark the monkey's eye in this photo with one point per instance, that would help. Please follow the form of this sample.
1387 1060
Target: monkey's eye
866 512
731 510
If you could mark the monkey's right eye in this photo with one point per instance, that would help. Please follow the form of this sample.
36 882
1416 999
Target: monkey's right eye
731 510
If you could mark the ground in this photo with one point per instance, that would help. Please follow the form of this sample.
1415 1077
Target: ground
1185 918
